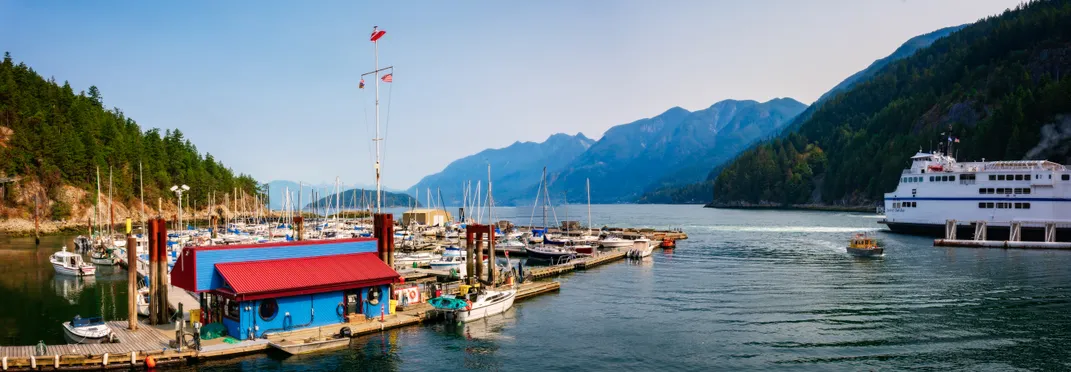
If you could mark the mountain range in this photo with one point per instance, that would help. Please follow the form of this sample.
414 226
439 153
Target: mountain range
673 157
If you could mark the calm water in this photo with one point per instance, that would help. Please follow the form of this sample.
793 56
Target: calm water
749 290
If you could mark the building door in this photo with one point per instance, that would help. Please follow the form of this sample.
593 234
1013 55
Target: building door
353 302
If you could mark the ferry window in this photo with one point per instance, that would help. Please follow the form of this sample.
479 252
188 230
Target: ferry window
1018 177
1000 191
931 178
992 177
1050 176
1026 191
1000 177
896 205
1066 177
914 204
981 205
1026 205
1018 205
952 178
989 205
1018 191
981 191
1000 205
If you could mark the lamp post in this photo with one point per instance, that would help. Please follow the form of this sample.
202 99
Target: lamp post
178 191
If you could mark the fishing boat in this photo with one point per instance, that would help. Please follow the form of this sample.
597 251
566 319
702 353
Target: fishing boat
473 306
86 330
311 345
863 245
68 263
641 248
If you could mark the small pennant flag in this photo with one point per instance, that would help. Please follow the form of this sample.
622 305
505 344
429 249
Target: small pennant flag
376 34
362 84
388 78
957 140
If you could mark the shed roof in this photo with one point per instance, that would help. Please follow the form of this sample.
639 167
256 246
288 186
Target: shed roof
254 280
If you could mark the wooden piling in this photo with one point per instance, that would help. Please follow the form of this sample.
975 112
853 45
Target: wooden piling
161 272
132 281
133 266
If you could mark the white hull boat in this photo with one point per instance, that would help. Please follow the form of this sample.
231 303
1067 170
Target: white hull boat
641 248
615 242
68 263
487 303
86 331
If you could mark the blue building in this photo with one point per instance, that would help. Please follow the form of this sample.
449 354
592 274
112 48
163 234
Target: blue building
264 288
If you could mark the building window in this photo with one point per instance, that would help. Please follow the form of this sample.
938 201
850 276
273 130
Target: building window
373 296
230 309
268 309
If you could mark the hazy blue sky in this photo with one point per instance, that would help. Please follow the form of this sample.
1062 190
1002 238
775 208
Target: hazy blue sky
270 87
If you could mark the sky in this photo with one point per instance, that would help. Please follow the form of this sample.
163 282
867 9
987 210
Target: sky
270 88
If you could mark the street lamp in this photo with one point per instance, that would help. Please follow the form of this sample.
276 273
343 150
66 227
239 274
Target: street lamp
178 191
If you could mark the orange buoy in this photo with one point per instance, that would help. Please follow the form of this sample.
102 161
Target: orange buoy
150 362
668 243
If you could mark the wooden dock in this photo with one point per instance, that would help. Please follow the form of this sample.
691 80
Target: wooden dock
133 345
578 264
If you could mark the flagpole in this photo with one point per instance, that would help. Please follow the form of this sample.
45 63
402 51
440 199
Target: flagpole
379 202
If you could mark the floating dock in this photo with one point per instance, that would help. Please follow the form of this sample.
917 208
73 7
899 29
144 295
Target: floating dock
1015 234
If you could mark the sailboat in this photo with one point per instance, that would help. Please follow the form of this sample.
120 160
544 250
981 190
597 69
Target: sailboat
555 254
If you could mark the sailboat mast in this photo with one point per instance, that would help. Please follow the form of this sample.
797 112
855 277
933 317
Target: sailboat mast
545 197
96 208
589 206
141 182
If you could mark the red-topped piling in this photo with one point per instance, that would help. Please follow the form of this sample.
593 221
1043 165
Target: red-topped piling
383 227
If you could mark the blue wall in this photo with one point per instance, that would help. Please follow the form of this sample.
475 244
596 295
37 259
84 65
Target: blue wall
208 278
301 313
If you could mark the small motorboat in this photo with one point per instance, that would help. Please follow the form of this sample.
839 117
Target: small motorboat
143 302
68 263
614 242
474 305
102 257
580 247
311 345
86 330
863 245
418 259
641 248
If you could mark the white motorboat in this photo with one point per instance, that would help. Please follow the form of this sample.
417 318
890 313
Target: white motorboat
86 330
68 263
420 259
615 242
641 248
475 305
143 302
452 259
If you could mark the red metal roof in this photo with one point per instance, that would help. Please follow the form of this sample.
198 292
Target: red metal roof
254 280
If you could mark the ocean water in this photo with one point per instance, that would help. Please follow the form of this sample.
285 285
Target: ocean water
748 290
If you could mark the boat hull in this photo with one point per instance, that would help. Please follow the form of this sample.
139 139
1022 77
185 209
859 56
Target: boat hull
497 307
311 347
74 337
546 254
866 252
84 271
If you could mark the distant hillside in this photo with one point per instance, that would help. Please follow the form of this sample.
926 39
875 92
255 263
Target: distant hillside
700 192
360 199
515 169
54 140
676 147
1002 84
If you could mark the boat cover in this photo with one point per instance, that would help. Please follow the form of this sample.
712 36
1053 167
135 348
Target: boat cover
447 303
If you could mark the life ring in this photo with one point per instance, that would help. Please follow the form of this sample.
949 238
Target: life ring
468 305
341 309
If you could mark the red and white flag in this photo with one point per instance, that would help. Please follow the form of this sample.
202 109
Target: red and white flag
376 34
388 78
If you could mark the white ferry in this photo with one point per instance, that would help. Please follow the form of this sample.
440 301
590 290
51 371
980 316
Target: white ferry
937 188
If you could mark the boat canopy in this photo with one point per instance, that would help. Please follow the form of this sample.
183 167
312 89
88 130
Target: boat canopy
447 303
82 322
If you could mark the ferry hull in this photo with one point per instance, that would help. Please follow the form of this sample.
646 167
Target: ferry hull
1029 233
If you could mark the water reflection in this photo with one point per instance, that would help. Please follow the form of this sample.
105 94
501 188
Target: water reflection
71 287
